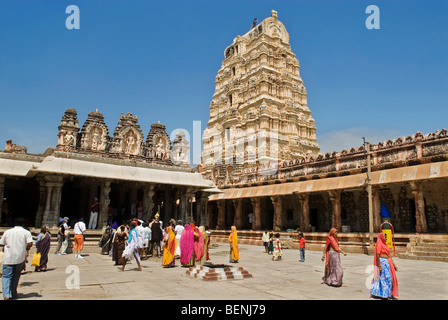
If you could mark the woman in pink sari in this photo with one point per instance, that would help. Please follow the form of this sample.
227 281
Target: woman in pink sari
385 283
187 247
331 254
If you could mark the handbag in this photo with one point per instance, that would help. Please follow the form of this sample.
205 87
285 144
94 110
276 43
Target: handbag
36 259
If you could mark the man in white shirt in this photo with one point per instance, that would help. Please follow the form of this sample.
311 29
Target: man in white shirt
16 242
79 229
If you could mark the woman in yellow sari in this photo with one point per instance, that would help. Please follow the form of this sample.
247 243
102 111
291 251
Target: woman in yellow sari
169 248
233 240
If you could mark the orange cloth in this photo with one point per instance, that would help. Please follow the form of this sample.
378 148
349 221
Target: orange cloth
169 248
79 242
233 240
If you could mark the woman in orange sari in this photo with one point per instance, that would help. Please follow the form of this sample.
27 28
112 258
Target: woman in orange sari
169 248
331 254
385 283
233 240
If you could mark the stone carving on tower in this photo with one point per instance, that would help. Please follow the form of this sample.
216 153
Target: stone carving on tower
259 116
128 136
94 133
180 150
68 131
159 144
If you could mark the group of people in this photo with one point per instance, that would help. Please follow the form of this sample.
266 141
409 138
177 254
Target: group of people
384 284
272 245
138 240
79 230
188 243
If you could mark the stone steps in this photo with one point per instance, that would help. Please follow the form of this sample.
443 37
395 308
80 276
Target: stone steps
218 273
427 247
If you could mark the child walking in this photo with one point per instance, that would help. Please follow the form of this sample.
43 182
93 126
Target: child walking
302 247
265 240
277 248
271 243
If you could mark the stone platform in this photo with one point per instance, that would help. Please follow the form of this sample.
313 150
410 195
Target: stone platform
211 272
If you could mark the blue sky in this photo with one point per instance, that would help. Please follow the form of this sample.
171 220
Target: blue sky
158 60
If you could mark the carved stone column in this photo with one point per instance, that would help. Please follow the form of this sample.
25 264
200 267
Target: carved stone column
221 214
183 203
357 213
421 225
148 203
277 203
168 206
336 220
238 218
376 209
305 212
202 205
104 204
51 213
188 200
256 205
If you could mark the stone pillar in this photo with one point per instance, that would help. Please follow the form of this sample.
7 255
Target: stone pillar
336 220
420 216
49 193
305 212
202 205
41 207
357 213
104 204
277 203
396 210
168 206
238 218
183 204
221 214
188 198
51 213
148 203
2 195
376 209
256 205
57 200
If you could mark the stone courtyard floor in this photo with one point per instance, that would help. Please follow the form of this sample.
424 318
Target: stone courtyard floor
288 279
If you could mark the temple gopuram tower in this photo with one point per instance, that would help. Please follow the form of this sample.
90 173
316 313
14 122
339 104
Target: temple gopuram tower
259 116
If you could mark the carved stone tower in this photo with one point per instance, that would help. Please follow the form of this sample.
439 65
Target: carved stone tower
259 114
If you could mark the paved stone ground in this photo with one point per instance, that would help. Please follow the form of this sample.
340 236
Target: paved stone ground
288 279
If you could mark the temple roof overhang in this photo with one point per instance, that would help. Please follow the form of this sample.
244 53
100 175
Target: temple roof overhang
15 167
427 171
107 171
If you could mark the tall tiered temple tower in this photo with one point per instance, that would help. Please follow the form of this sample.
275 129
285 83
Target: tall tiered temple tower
259 116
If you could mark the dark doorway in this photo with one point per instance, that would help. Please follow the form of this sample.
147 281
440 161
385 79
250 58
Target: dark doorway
70 201
412 211
314 219
22 200
267 214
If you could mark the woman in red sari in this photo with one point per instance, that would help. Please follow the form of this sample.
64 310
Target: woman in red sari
331 254
385 283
